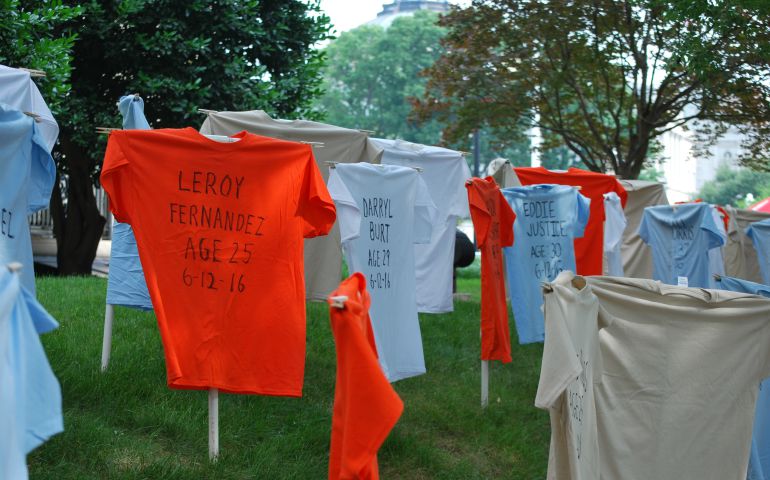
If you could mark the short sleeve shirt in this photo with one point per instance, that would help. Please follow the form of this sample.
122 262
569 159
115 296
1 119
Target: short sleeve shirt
445 172
383 211
366 407
493 225
680 237
548 220
220 228
27 175
125 282
589 248
571 367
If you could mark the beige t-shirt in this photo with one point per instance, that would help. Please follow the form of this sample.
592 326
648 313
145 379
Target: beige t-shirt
571 367
681 369
323 255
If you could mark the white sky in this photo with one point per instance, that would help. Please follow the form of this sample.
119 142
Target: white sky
348 14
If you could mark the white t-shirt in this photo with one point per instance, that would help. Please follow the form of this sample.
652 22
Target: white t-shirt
681 370
570 369
444 172
614 226
382 211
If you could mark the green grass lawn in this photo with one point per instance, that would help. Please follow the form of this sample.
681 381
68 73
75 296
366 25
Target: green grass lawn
127 424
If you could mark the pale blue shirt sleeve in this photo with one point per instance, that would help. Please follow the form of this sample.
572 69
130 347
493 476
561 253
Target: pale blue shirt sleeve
42 174
715 238
583 206
132 109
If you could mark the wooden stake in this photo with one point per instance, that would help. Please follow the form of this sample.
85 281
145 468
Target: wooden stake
109 314
213 424
484 383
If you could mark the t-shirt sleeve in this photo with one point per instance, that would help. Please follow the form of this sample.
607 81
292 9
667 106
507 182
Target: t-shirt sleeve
115 179
583 206
644 227
622 193
615 223
507 218
560 360
479 215
42 174
459 205
316 206
347 209
425 213
715 238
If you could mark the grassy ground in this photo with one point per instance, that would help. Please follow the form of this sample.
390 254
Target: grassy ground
127 424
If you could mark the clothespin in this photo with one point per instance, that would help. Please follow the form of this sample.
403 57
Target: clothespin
33 72
313 144
331 164
34 116
105 130
464 154
577 187
206 111
338 301
368 132
14 267
547 288
717 277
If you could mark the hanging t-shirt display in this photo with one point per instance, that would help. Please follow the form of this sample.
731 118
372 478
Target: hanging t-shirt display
680 237
589 249
30 395
759 233
759 458
614 226
366 407
681 367
125 282
27 175
444 172
637 257
548 220
323 257
493 226
220 228
739 254
571 367
383 211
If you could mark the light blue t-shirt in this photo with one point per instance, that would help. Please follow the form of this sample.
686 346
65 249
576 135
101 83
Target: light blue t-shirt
27 175
548 220
383 210
29 391
680 237
126 285
759 233
759 458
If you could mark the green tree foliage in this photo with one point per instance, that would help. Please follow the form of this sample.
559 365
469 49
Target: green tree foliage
179 56
605 77
372 72
30 38
730 187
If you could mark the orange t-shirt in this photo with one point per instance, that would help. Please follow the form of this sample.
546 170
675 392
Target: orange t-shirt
365 405
493 223
589 249
220 228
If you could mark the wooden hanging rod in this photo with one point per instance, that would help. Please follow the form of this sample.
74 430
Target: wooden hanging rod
33 72
334 165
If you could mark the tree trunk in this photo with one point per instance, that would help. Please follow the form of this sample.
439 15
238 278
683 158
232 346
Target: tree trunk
80 225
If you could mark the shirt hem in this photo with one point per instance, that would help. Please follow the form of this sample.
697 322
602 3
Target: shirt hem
188 385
